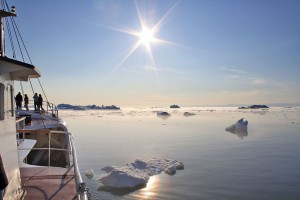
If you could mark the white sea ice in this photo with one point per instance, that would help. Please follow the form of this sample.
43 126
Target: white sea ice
138 172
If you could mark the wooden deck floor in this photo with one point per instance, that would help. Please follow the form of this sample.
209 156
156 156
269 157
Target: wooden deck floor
52 183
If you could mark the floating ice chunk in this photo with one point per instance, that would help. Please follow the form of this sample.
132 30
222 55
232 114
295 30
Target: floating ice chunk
137 173
89 173
187 114
125 177
239 125
163 113
239 128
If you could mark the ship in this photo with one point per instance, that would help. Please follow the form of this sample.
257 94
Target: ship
37 152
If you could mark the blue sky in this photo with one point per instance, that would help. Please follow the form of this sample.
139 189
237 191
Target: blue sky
220 52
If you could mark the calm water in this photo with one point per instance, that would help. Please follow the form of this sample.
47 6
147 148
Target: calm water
218 165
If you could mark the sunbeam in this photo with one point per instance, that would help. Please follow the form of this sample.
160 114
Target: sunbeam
129 53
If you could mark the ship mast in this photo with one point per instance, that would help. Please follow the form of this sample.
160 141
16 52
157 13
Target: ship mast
3 14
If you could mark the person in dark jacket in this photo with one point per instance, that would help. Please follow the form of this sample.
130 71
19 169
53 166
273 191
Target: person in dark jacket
35 100
26 101
19 100
3 179
40 103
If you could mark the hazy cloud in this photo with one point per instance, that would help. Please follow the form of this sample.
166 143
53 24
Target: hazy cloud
242 76
257 81
236 71
160 69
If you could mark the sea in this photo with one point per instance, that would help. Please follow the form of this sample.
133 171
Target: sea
261 163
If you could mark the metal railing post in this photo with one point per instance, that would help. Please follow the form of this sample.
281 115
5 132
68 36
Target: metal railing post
80 184
49 154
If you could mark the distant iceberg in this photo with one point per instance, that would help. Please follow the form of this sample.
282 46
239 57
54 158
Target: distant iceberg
91 107
174 106
187 114
78 108
253 107
137 173
163 114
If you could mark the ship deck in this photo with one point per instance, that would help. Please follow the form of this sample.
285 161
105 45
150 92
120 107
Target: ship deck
53 183
35 120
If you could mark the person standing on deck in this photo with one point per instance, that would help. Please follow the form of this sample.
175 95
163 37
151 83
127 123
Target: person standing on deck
26 101
3 179
19 100
40 102
35 100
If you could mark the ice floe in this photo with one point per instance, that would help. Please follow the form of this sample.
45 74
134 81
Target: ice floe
138 172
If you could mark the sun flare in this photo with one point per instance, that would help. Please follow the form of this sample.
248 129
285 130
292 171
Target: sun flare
146 36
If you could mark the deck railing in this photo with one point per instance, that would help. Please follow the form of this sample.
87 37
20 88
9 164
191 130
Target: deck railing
81 188
20 123
49 109
47 106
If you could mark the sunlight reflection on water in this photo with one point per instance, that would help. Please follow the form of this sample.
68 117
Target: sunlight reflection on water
149 191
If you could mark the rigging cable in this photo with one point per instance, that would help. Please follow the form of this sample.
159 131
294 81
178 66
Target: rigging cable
31 86
10 39
16 30
12 44
15 25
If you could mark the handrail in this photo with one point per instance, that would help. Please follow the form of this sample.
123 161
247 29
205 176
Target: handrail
33 131
20 119
81 188
80 184
20 123
50 107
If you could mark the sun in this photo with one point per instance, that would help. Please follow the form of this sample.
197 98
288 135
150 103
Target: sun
146 36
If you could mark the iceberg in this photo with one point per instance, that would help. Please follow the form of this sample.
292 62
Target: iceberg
239 128
174 106
137 173
253 107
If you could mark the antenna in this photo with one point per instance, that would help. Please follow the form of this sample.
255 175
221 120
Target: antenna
3 14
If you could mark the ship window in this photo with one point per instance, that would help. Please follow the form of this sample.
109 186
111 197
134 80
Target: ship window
10 100
2 101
